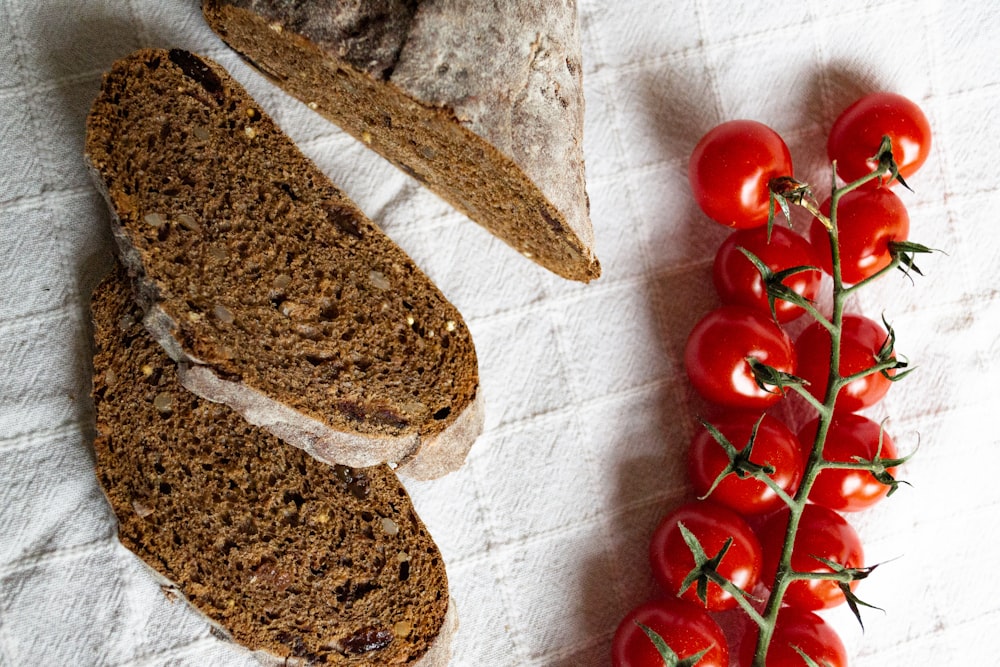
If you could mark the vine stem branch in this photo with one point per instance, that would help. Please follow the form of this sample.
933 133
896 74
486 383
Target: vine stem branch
785 574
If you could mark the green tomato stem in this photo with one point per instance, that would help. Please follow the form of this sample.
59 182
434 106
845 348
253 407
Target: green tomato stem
771 484
739 595
785 574
877 368
894 264
813 312
844 577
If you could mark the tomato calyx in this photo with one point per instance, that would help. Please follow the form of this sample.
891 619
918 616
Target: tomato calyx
784 190
904 254
887 362
877 466
670 658
775 287
740 463
690 634
887 163
772 380
706 571
806 657
844 576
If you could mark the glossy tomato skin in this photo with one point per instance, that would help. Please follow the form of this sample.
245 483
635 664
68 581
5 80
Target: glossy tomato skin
850 436
712 524
802 629
867 220
857 134
861 340
717 348
774 445
738 282
823 533
685 627
730 168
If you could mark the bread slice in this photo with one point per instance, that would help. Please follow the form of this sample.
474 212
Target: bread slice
482 102
273 292
301 562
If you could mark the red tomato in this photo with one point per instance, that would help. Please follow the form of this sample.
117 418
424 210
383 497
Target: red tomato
850 436
823 533
804 630
712 524
730 168
857 134
685 627
774 445
866 221
739 282
860 343
717 349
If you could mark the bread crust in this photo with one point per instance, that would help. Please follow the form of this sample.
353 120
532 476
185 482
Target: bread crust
482 102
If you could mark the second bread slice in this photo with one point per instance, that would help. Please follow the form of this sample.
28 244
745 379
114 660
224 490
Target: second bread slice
272 291
301 563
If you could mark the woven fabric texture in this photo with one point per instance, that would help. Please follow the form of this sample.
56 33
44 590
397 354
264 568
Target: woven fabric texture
545 529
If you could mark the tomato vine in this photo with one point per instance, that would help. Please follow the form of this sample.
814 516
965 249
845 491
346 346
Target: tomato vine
739 357
886 365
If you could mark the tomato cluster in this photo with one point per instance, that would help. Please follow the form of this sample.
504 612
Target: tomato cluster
741 359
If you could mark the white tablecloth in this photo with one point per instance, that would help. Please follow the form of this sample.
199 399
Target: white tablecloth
544 531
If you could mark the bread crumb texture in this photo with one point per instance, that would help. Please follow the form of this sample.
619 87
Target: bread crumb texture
316 563
268 274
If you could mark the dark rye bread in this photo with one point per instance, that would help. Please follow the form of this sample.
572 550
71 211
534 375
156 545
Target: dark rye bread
301 562
274 293
482 102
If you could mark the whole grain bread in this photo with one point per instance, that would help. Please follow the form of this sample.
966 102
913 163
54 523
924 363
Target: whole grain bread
482 102
298 561
272 291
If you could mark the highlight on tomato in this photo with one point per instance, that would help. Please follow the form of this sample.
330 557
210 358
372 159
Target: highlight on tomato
856 135
797 630
738 281
822 534
684 626
716 352
850 438
730 168
713 525
867 220
861 342
774 445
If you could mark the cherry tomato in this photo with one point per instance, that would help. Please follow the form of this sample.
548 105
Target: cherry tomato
857 134
822 533
739 282
797 628
866 221
860 343
850 436
730 168
685 627
774 445
712 524
717 349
